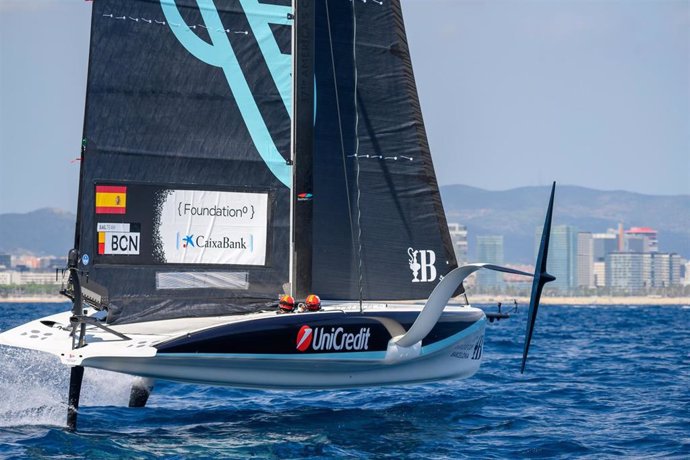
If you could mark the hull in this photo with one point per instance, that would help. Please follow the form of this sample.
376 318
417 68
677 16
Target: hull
339 347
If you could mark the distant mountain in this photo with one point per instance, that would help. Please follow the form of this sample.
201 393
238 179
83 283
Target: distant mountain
42 232
516 213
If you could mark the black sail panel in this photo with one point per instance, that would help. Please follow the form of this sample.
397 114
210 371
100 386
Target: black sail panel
303 148
184 195
372 166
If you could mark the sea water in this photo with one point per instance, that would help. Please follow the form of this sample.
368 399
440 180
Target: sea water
600 382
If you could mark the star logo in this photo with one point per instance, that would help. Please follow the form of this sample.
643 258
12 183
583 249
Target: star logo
188 240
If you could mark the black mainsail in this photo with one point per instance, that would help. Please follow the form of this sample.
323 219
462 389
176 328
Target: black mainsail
192 158
185 177
377 207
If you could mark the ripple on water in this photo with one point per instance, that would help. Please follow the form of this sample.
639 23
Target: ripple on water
600 382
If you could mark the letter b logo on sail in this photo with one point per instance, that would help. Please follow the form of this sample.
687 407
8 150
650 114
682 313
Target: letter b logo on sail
422 265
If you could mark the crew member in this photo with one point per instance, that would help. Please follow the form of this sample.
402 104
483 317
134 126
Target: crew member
286 304
313 303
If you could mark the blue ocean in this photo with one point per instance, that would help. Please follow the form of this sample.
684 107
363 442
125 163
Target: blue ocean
601 382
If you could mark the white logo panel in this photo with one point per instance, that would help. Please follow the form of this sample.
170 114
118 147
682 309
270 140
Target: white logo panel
122 243
211 227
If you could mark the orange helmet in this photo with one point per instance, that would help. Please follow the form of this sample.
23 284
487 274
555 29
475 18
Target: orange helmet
286 303
313 303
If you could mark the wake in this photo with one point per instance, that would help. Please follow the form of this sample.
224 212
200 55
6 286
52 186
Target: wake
34 388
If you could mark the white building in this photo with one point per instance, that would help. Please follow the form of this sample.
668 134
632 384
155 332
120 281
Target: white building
632 272
599 274
585 260
19 278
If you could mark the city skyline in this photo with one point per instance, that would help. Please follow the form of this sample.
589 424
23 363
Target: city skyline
618 261
593 94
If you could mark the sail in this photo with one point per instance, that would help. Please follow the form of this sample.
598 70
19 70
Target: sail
377 210
185 181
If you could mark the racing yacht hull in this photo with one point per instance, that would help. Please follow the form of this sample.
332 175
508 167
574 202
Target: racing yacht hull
338 347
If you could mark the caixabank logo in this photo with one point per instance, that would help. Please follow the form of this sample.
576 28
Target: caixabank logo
332 339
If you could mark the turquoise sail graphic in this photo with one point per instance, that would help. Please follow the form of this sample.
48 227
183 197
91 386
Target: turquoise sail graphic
220 53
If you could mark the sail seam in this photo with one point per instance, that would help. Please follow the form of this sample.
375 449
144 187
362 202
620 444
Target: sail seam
357 169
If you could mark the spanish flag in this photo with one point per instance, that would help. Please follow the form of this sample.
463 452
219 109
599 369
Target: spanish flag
111 199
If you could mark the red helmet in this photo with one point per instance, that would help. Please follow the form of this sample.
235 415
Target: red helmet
313 303
287 303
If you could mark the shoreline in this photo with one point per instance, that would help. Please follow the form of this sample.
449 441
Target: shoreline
35 299
474 299
582 301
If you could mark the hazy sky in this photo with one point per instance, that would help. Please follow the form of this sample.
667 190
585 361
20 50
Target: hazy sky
591 93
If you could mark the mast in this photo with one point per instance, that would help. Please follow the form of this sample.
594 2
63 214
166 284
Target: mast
302 148
82 153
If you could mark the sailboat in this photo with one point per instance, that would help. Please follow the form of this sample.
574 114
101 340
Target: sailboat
239 150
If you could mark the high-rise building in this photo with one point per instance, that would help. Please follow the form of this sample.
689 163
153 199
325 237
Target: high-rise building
647 235
636 243
604 243
633 272
562 256
665 269
599 272
625 272
458 235
490 250
585 260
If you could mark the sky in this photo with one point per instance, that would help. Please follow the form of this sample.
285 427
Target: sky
514 93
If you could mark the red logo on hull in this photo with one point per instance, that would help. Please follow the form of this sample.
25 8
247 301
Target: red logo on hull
304 337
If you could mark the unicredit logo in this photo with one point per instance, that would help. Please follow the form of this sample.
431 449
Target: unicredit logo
335 339
304 338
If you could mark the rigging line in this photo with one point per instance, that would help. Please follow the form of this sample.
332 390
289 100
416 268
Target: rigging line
359 190
340 128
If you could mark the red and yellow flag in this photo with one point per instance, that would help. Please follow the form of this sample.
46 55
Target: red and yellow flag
111 199
101 242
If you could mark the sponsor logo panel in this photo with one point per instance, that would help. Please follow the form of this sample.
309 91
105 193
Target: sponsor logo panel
180 226
212 227
333 339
